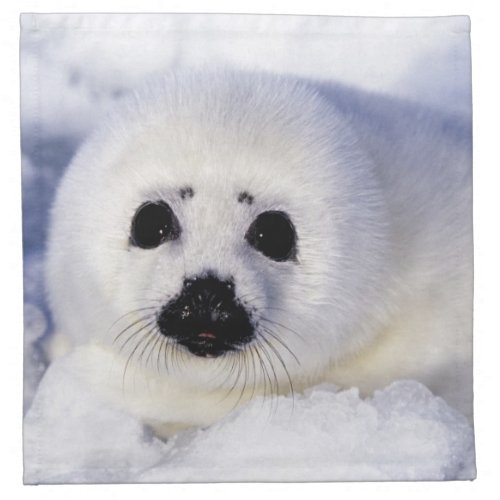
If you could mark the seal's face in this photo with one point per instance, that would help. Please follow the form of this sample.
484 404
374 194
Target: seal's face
206 316
218 235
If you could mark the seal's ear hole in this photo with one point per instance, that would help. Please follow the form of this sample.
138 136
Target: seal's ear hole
152 224
273 234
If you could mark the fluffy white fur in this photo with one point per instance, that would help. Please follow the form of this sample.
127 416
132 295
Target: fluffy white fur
379 192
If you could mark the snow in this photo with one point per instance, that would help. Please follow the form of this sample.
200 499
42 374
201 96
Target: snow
402 433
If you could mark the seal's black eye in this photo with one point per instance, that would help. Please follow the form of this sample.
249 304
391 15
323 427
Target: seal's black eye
273 234
154 223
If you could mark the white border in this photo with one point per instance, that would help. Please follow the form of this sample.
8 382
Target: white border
486 88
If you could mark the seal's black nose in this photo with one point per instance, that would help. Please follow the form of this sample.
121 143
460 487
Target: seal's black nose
206 317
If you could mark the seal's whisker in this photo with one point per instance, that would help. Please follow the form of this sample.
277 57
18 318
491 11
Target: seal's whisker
252 356
265 375
129 313
277 339
243 387
222 363
132 353
229 374
154 341
237 362
270 308
274 383
283 364
154 301
166 353
175 356
281 325
146 317
150 338
244 298
141 329
159 340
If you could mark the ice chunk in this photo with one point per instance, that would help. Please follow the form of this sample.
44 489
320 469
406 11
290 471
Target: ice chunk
402 433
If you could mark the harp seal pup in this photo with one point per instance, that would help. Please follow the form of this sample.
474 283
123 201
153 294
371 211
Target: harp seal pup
228 235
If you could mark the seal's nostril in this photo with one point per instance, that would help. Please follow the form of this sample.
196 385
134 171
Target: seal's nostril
186 312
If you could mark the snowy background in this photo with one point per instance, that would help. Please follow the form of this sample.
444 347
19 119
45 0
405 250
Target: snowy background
74 68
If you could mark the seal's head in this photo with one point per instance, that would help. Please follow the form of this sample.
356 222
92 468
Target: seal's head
223 229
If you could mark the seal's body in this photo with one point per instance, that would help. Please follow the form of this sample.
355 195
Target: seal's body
229 235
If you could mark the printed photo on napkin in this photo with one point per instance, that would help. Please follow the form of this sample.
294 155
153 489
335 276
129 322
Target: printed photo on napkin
247 248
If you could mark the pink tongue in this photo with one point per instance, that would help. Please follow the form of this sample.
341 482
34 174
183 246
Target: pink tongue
206 335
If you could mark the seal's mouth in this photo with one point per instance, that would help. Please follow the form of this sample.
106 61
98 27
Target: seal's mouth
206 345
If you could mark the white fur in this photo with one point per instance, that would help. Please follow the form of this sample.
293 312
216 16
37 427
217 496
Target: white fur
379 192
